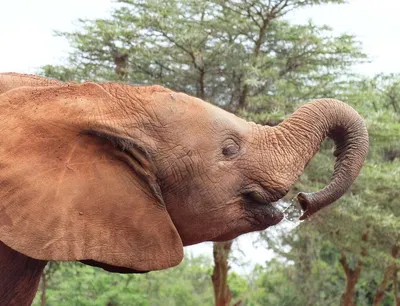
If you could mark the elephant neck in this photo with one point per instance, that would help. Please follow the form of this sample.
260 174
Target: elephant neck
19 277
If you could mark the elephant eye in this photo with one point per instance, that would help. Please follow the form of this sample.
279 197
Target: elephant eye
230 149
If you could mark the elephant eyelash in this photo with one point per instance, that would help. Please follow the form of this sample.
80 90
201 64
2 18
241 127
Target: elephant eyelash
230 148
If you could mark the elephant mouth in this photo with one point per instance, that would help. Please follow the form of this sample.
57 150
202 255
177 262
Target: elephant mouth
259 195
259 213
260 208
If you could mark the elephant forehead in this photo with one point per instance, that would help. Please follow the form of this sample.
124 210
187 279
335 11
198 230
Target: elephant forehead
221 118
195 118
183 104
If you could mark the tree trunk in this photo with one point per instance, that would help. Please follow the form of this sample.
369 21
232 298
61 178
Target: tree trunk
396 293
222 293
352 275
256 52
380 292
243 97
202 93
121 64
351 282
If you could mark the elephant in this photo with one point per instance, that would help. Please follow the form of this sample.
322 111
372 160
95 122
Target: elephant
123 177
10 81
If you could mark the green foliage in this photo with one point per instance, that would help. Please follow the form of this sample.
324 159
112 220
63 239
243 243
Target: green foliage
238 55
78 284
272 286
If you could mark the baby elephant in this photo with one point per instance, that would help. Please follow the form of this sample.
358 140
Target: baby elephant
123 177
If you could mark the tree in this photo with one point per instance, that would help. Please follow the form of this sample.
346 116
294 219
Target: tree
77 284
237 55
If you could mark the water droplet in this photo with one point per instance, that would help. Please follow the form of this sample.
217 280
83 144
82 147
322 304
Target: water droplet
292 212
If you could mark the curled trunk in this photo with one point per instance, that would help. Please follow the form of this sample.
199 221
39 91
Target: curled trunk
308 127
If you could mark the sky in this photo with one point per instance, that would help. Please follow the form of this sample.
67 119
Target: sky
26 29
28 42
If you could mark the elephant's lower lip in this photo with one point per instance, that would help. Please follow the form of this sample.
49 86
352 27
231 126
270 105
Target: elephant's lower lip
264 216
262 212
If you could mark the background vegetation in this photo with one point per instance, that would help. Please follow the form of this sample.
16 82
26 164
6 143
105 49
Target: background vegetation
247 58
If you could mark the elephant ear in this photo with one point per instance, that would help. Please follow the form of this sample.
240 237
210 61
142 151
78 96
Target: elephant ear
69 193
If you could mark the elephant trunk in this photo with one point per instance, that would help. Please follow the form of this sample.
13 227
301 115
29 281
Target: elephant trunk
308 127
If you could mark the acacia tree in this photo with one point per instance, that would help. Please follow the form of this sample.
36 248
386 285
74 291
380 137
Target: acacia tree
237 54
240 55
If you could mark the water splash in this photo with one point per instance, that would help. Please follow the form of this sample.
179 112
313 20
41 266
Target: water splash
292 212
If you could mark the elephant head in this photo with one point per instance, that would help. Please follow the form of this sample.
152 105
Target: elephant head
126 176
